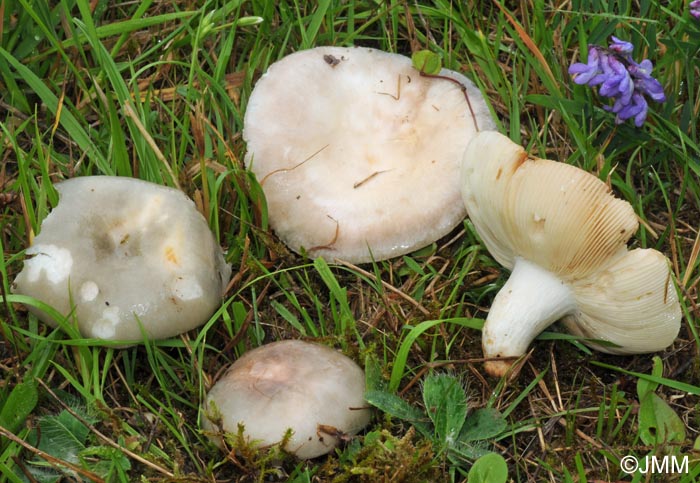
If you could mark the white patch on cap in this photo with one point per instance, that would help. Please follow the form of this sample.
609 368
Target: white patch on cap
89 291
55 261
106 327
186 288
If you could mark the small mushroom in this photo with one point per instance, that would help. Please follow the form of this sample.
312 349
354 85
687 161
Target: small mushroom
309 388
357 153
563 235
121 255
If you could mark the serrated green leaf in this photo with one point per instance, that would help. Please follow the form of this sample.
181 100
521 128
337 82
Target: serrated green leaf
466 453
490 468
396 407
373 374
62 436
446 404
427 62
484 423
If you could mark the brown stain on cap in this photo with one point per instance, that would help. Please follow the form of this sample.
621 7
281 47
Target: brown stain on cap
522 157
171 256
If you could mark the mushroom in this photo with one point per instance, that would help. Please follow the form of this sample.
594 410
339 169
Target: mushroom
563 235
123 256
357 153
309 388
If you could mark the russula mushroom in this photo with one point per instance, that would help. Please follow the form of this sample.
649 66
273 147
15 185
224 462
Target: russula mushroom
121 255
357 153
310 389
563 235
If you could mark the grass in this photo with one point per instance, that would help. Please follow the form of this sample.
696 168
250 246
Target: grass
157 90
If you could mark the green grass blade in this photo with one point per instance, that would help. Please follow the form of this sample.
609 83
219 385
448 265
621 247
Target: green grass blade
67 120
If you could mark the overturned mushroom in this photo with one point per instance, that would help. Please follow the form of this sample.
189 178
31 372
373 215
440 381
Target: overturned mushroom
563 234
357 153
310 389
124 257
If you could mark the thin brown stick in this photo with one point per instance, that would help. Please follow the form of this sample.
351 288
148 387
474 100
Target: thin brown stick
361 182
329 245
282 170
50 458
238 336
462 87
398 89
386 285
103 437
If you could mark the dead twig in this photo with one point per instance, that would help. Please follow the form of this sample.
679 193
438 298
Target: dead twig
103 437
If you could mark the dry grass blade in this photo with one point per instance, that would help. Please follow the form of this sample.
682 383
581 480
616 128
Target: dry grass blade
103 437
387 286
129 111
692 260
528 41
49 458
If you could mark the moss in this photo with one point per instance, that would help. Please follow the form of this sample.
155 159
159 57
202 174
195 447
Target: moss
381 456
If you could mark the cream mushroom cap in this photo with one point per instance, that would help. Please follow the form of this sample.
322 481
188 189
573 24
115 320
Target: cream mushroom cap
563 234
123 255
313 390
358 154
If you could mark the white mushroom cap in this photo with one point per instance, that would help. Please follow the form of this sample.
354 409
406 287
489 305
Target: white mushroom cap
357 153
126 253
563 234
308 388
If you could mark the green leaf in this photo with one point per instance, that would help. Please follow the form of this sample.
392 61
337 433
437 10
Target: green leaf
106 459
484 423
645 386
62 436
490 468
446 404
373 374
466 453
658 423
427 62
396 407
19 404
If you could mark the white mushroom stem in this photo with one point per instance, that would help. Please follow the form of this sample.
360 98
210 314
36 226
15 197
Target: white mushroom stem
531 300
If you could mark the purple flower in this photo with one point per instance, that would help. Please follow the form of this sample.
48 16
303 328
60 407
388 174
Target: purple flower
621 47
583 73
620 78
644 82
694 8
